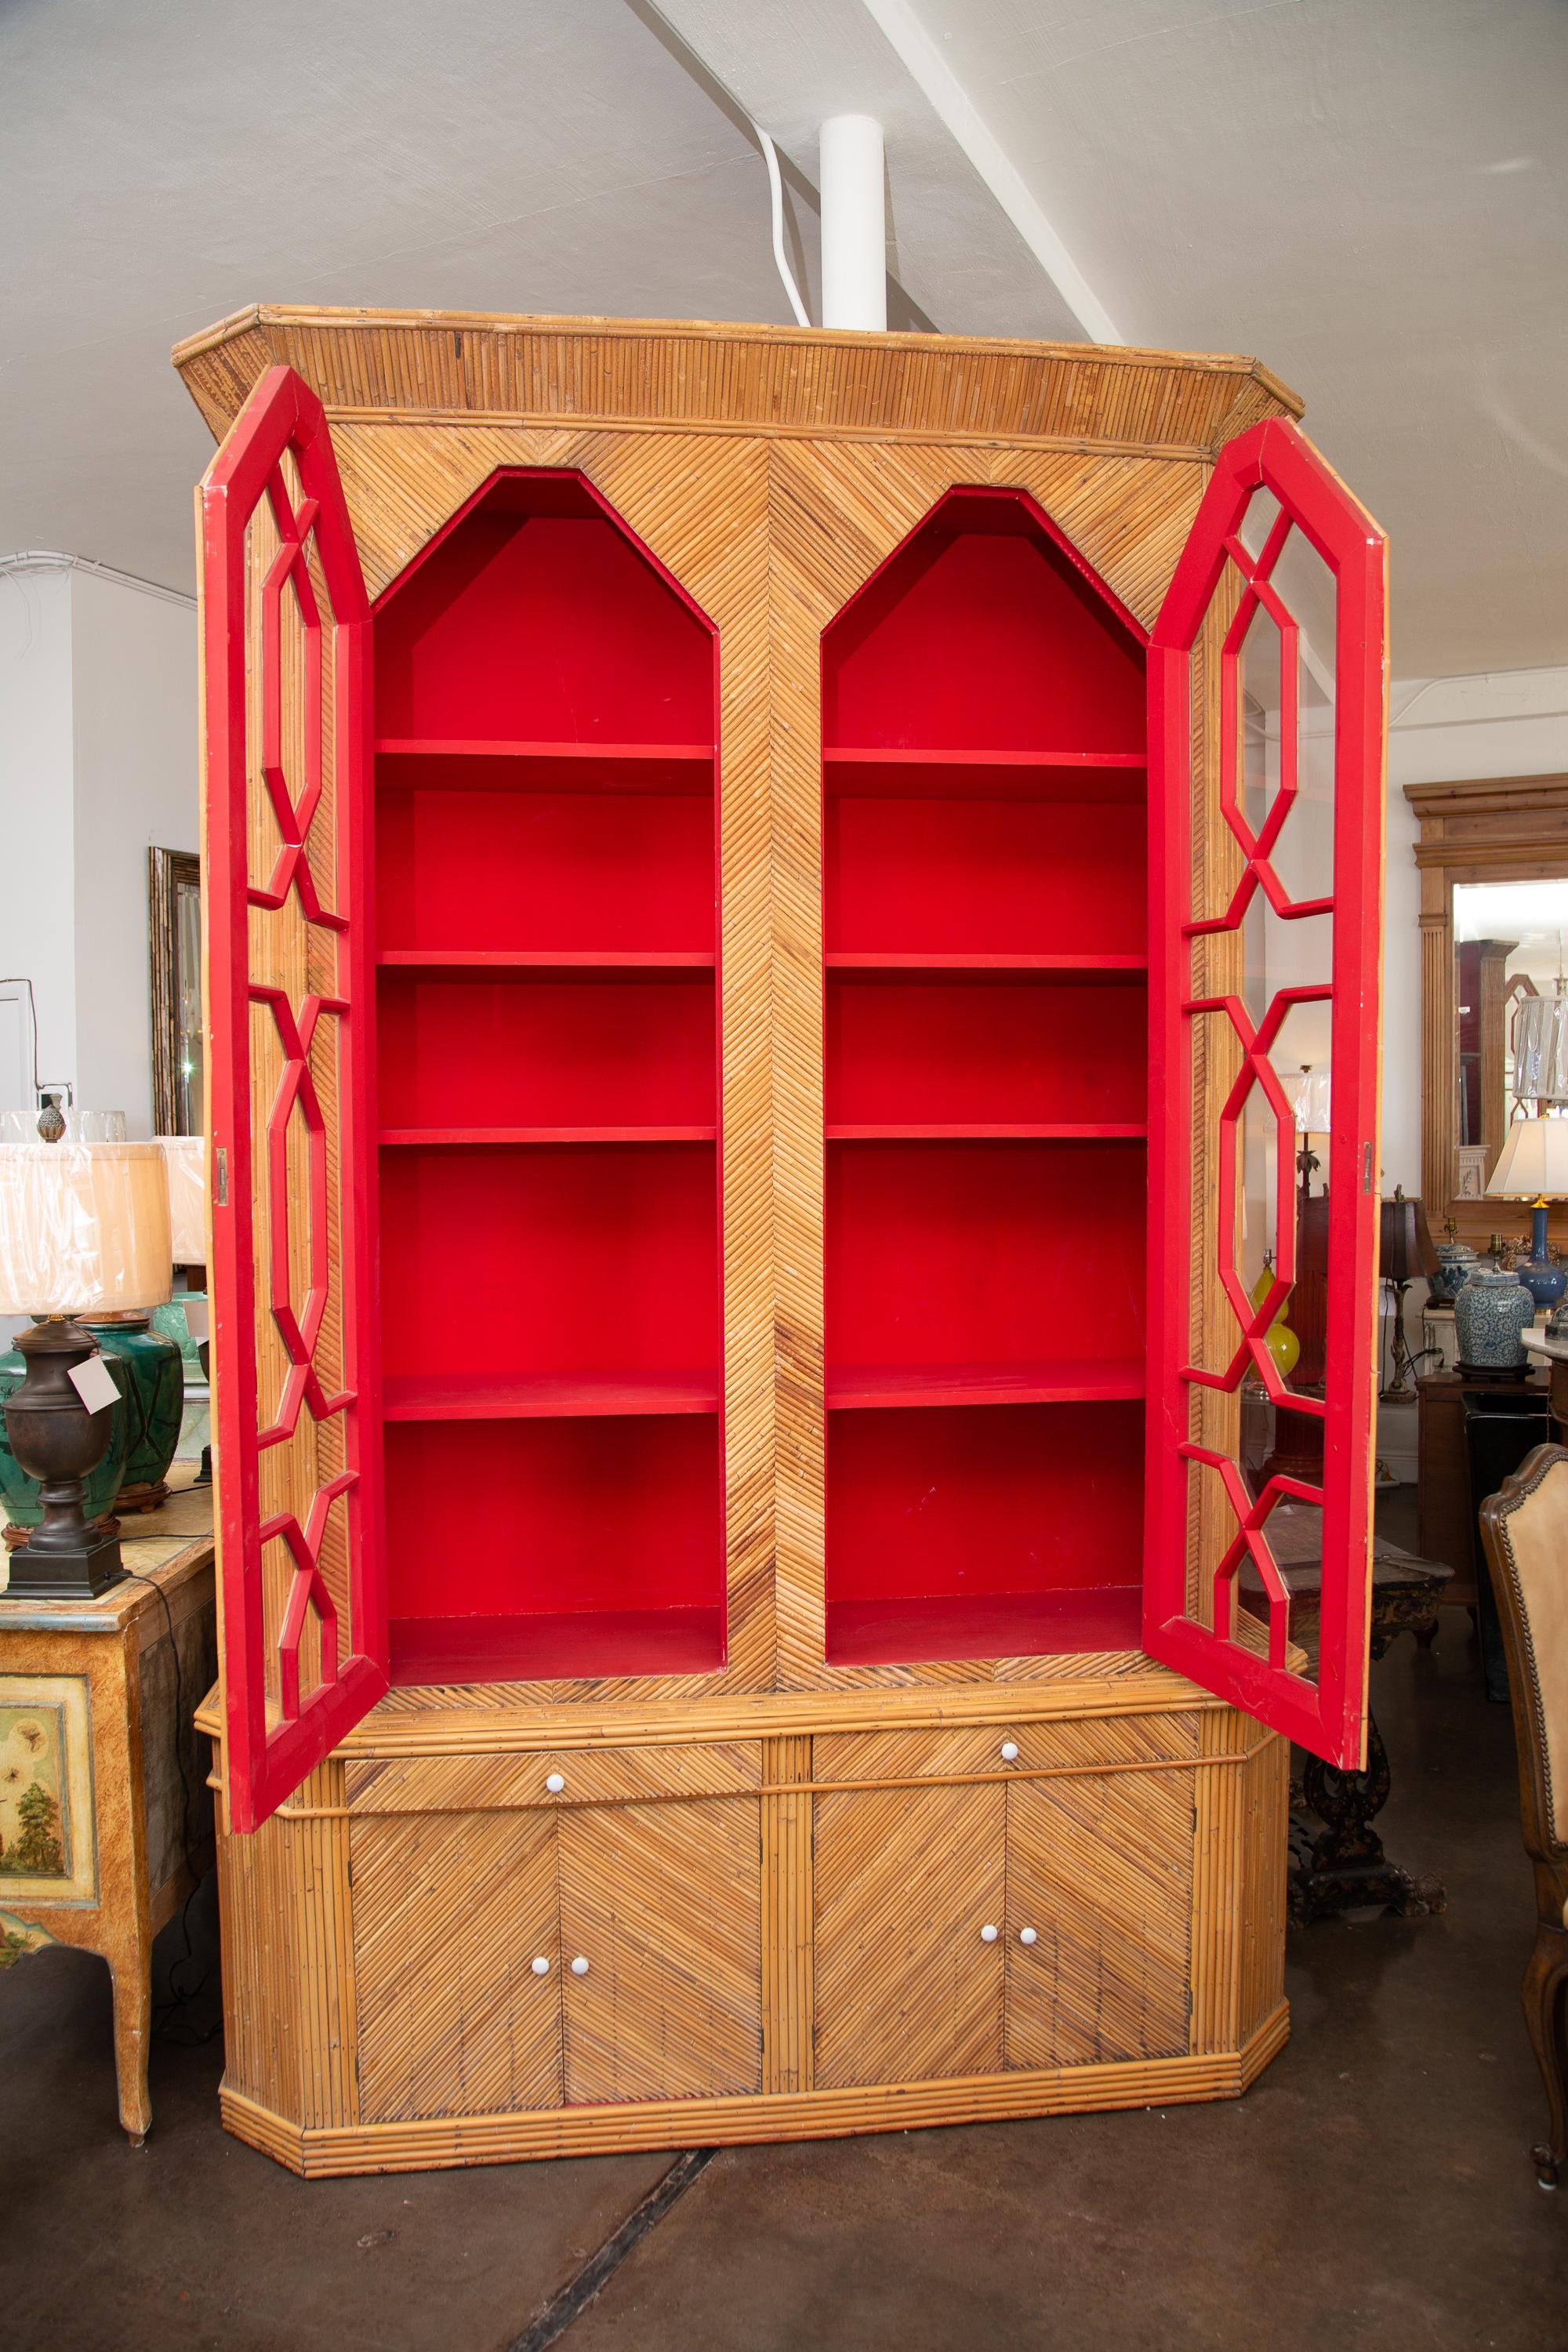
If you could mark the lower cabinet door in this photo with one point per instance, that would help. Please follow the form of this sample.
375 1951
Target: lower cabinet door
661 1950
909 1987
1099 1918
450 1912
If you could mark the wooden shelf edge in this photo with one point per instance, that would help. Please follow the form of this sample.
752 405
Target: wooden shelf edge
881 960
563 1397
1052 1131
546 960
877 755
436 747
879 1388
443 1138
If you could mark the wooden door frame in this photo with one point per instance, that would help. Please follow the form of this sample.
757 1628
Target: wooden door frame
1488 829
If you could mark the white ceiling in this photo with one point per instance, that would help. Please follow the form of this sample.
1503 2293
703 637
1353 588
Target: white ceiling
1369 194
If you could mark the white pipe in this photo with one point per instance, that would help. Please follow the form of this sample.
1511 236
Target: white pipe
51 558
854 225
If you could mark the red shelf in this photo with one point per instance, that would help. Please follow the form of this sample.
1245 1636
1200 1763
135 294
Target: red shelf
925 1630
494 1396
893 773
863 960
586 1642
435 1136
1086 1381
476 763
499 959
1057 1132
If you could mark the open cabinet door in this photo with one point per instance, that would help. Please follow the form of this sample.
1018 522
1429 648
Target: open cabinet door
1266 748
285 674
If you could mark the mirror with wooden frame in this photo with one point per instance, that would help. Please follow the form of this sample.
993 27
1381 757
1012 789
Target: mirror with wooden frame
1493 856
174 961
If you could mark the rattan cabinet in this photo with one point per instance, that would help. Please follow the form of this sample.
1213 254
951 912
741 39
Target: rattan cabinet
767 893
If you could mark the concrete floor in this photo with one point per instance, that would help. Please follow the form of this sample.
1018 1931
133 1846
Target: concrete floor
1374 2190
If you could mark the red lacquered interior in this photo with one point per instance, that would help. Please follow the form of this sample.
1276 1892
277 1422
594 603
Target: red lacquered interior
547 1100
460 869
986 1029
611 1519
534 1048
986 1048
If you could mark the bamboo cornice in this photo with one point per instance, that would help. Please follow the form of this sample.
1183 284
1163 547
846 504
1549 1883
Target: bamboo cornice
408 366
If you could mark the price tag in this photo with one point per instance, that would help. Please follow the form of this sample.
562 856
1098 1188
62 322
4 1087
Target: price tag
94 1384
196 1319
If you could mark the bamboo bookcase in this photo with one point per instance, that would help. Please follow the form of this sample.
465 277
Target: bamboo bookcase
573 1425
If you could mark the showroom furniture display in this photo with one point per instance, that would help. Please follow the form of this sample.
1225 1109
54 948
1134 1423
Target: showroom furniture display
1338 1864
1525 1531
1492 830
105 1822
743 1138
1445 1504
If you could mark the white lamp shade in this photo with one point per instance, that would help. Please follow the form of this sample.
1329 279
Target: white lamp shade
1308 1097
186 1156
84 1228
1540 1049
1533 1161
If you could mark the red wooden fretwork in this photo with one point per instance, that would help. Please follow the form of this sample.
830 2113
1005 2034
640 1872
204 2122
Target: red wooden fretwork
1326 1715
274 1740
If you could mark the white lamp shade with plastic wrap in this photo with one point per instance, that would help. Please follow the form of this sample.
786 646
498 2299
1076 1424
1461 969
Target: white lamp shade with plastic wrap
187 1164
1533 1162
84 1228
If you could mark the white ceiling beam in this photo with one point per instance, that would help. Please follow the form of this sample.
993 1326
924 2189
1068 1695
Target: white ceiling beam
924 63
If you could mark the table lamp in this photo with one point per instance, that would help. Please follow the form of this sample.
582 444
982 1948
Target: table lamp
1405 1254
1533 1166
186 1156
84 1230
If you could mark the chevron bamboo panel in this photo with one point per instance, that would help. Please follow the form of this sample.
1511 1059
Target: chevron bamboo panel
485 1783
448 1916
287 1979
298 957
788 1991
904 1881
1216 969
1265 1802
664 1903
1101 1870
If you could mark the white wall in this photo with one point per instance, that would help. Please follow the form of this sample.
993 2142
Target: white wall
1446 731
37 858
98 763
134 713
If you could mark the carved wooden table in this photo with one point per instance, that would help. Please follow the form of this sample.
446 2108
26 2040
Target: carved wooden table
1343 1868
105 1822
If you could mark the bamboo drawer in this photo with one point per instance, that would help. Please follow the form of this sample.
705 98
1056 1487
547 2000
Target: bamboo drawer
545 1779
1089 1744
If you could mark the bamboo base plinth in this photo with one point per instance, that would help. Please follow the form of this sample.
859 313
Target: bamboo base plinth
443 2142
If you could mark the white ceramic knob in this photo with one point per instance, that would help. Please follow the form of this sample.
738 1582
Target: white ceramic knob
554 1783
988 1934
1009 1751
541 1966
1028 1936
579 1966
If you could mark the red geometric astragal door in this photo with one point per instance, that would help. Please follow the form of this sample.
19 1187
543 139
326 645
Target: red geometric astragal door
1267 735
286 664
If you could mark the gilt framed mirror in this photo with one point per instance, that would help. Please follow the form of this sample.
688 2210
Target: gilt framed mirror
174 961
1493 856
